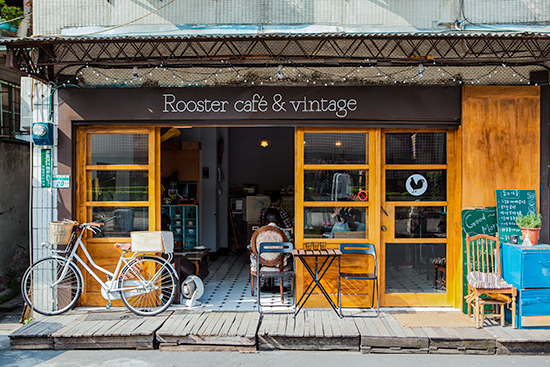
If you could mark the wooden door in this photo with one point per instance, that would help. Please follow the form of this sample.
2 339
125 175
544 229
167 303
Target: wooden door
418 196
117 175
365 173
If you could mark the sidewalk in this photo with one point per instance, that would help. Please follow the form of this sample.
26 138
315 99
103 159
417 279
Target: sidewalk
206 330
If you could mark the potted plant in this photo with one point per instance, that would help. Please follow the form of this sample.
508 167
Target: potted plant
530 226
7 13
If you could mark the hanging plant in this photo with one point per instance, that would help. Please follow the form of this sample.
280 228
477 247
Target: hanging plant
10 12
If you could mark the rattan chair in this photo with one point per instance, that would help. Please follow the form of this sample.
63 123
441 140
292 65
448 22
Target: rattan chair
266 233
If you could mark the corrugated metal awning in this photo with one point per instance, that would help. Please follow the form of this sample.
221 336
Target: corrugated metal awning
46 57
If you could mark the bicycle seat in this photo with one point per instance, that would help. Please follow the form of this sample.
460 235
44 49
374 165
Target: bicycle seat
123 246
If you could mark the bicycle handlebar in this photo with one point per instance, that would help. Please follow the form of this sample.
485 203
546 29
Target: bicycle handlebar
96 226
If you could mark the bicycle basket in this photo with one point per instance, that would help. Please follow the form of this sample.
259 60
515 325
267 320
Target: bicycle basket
60 232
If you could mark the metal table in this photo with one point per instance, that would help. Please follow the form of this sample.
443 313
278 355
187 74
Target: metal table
327 258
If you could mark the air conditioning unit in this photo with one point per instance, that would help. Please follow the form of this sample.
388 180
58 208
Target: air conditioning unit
26 103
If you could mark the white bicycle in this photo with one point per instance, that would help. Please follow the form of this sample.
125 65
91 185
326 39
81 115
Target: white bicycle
145 283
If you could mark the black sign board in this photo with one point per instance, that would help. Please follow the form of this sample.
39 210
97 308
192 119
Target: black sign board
510 203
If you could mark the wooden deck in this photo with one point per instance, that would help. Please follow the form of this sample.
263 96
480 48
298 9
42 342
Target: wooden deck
183 330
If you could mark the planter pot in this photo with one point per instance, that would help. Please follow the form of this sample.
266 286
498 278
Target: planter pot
532 233
8 27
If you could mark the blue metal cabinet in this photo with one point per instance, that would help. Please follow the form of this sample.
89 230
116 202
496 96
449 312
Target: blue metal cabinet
184 224
528 269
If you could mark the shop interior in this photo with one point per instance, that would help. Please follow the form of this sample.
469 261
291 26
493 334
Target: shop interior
220 178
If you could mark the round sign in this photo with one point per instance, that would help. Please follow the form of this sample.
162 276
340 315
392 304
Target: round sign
362 195
416 185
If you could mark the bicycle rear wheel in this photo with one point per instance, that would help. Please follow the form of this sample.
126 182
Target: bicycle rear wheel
149 285
39 291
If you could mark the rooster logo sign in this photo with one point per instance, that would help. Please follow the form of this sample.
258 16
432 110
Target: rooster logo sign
416 185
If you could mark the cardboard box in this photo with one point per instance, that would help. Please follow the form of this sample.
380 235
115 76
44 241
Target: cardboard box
154 241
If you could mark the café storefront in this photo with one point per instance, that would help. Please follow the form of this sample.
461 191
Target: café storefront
398 148
408 157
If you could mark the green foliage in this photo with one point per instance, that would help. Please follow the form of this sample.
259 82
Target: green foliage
10 12
530 220
27 321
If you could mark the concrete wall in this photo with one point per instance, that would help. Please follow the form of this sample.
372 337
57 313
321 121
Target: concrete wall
14 207
80 17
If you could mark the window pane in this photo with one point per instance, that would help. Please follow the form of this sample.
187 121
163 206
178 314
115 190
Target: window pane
416 148
335 222
420 222
117 149
410 267
422 185
119 185
335 148
127 219
336 185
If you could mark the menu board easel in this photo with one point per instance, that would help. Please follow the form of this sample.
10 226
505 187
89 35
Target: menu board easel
510 203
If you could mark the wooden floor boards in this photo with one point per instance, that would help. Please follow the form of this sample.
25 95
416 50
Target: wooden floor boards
311 329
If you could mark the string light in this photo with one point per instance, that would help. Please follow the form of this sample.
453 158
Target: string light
311 75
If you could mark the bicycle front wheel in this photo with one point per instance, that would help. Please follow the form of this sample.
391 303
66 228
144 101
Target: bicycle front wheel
148 285
51 286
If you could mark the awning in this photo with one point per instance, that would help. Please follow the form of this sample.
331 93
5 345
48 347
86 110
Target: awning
49 57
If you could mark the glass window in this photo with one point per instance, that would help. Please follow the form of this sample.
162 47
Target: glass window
335 148
411 267
105 149
416 148
119 185
10 96
335 222
412 185
420 222
127 219
336 185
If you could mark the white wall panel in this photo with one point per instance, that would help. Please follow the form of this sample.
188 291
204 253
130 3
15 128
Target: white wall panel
144 16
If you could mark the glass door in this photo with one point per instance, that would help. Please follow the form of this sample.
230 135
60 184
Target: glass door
414 207
395 189
117 174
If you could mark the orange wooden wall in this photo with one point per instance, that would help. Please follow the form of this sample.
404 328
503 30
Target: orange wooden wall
500 142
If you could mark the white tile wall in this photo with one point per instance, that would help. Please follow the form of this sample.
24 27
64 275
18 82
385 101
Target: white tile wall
44 200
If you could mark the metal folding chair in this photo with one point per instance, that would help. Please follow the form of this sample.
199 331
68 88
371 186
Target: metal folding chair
361 249
279 271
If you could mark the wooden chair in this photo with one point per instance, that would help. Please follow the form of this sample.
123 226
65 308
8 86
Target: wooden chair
485 284
270 259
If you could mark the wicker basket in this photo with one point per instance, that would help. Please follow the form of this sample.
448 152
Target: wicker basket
60 232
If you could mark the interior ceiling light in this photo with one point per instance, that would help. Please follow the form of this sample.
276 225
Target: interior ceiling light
338 143
264 143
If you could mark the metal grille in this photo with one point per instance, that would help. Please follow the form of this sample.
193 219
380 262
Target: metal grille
227 75
322 57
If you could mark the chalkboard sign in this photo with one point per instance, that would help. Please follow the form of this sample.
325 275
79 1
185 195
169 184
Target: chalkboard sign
475 221
479 221
510 203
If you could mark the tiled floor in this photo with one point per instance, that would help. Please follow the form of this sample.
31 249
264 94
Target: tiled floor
408 280
227 287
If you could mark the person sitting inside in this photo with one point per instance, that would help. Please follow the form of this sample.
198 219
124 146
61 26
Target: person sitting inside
276 200
348 219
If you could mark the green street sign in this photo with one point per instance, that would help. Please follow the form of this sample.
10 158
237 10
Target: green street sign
46 168
62 181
